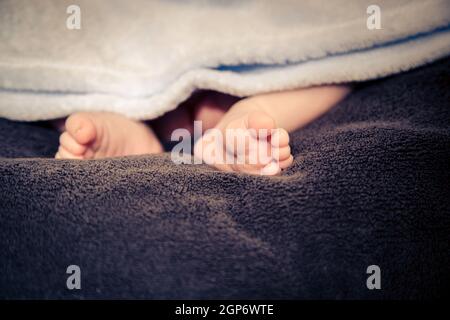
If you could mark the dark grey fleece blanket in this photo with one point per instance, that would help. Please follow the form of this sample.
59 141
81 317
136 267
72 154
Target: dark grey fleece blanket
370 185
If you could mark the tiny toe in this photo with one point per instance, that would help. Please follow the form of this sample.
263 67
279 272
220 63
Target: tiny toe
286 163
280 138
70 144
281 154
271 169
81 127
63 153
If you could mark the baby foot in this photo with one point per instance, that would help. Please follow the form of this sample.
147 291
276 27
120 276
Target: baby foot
94 135
264 150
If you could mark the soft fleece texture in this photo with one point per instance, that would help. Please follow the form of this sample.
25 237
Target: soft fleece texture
369 185
142 58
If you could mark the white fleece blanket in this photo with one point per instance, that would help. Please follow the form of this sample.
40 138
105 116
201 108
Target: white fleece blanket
142 58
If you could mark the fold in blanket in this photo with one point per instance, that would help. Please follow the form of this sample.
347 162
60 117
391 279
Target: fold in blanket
369 186
142 58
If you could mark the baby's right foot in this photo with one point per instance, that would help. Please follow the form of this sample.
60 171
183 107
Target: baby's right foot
94 135
289 109
264 147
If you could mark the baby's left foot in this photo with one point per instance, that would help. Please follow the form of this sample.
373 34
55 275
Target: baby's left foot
264 150
96 135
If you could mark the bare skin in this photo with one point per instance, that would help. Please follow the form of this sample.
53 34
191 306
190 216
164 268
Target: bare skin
94 135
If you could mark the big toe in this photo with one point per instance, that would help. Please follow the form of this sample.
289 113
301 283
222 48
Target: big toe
261 122
81 127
